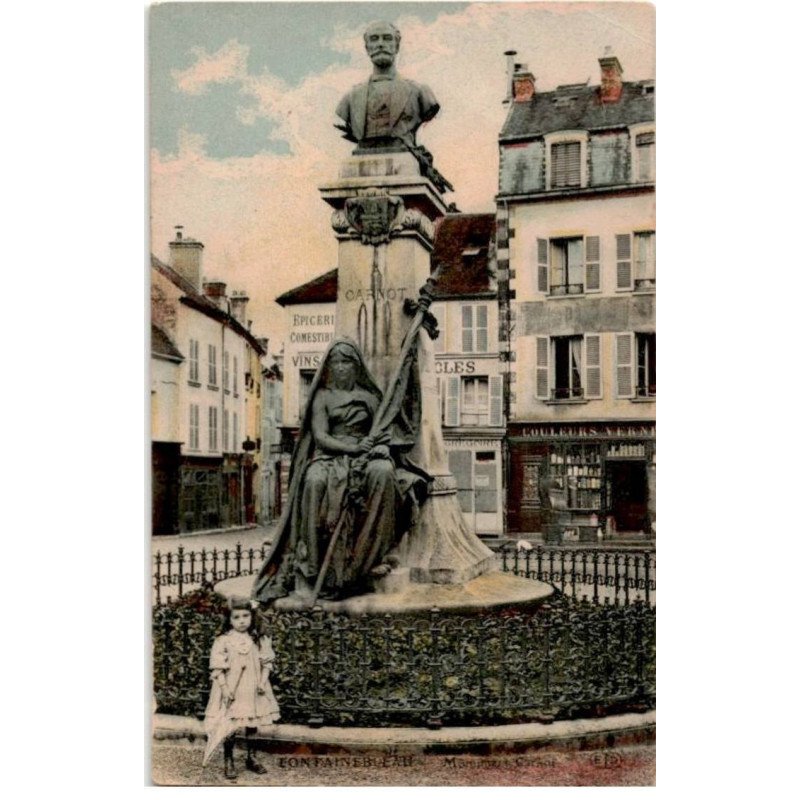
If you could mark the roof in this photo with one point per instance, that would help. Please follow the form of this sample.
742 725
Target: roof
162 345
193 299
462 248
321 289
578 107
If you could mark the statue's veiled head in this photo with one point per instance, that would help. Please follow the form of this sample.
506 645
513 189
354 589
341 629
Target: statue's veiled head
382 41
344 365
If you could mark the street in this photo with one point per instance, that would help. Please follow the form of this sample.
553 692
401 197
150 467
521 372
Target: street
178 763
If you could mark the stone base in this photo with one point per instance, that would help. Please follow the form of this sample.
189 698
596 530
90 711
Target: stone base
492 590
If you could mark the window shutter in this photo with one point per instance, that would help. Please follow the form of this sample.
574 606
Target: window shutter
624 362
624 276
594 386
466 329
542 367
496 400
542 269
592 263
453 392
481 329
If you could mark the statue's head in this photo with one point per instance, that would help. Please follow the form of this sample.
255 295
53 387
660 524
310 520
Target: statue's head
382 41
343 365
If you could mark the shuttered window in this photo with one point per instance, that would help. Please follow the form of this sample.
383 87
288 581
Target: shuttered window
194 427
466 329
542 367
212 365
474 328
452 402
592 361
194 360
592 263
646 157
235 376
624 272
235 442
645 256
542 246
226 428
624 364
226 369
475 401
212 428
496 400
566 165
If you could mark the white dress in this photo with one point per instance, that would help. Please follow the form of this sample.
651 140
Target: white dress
242 660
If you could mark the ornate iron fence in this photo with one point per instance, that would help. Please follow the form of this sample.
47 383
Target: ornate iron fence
174 572
566 659
620 575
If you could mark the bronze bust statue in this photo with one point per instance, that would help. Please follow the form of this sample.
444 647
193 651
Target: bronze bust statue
386 110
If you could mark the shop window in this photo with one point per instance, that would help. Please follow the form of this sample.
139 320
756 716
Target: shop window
476 479
565 165
577 471
568 266
645 365
644 249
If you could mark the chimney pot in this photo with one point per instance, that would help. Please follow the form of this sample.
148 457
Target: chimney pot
610 77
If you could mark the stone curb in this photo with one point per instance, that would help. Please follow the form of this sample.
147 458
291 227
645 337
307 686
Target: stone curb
583 733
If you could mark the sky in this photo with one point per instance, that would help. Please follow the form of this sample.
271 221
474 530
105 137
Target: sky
242 99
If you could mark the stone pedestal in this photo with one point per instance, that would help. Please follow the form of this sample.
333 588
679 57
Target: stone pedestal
384 214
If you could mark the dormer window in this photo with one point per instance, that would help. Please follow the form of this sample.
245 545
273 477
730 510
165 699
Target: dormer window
566 159
565 165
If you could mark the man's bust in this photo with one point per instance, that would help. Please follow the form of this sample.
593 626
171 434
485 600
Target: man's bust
386 107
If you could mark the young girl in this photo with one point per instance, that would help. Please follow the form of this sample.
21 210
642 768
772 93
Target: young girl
241 696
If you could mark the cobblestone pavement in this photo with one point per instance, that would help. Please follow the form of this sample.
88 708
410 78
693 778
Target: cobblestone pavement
178 763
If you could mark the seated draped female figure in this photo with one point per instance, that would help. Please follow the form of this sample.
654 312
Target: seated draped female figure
345 475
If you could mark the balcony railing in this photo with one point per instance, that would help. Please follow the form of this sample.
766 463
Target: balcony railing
646 391
644 284
564 289
567 393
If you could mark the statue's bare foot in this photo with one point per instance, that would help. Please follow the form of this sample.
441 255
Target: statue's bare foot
380 571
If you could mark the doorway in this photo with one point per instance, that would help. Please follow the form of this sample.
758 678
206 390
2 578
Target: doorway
627 491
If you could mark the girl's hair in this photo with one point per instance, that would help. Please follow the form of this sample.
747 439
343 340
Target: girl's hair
245 604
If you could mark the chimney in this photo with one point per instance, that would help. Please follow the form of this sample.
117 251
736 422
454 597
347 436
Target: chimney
215 292
509 54
523 84
186 258
239 302
610 77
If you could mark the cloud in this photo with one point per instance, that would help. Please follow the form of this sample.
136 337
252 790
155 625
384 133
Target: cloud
226 65
261 218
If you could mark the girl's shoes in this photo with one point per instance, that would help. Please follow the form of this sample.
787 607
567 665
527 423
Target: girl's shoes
230 770
254 766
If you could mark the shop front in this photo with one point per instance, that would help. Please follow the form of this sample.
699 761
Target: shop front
603 473
476 464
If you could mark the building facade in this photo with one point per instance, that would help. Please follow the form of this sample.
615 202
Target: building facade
576 286
205 399
466 352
